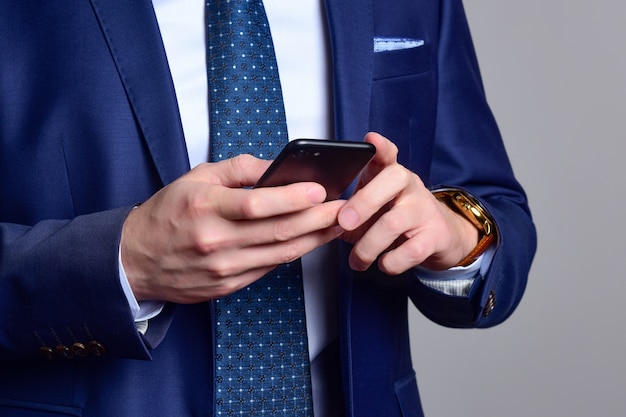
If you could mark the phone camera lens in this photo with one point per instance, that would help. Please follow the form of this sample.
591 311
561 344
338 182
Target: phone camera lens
301 153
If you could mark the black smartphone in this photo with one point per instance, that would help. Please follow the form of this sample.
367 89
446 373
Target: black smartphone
333 164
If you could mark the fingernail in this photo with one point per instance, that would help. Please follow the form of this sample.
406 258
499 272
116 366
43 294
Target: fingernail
348 218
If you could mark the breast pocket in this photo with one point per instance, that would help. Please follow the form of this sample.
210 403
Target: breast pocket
402 62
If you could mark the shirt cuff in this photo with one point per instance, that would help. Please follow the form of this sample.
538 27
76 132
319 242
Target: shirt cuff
456 281
141 311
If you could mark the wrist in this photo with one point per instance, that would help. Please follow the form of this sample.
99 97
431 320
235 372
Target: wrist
479 228
128 257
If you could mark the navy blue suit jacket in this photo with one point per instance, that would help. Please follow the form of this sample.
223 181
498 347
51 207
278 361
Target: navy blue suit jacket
89 126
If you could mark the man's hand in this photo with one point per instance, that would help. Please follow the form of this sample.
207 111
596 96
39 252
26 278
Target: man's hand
204 236
393 214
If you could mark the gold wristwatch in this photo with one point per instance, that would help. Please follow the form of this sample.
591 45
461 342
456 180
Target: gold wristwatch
467 206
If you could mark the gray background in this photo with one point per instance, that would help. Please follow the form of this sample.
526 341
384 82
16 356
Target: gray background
555 74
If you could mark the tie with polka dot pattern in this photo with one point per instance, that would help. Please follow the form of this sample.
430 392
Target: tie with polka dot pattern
261 352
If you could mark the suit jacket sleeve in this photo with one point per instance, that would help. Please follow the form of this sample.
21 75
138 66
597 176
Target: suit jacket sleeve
71 294
468 152
88 108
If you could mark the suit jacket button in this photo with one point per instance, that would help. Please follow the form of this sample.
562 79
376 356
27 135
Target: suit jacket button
47 352
80 350
96 348
64 352
491 304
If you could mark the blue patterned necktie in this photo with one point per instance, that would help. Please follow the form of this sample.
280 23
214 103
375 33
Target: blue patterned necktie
261 352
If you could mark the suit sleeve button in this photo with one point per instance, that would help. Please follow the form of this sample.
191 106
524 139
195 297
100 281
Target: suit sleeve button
96 348
64 352
80 350
47 352
490 305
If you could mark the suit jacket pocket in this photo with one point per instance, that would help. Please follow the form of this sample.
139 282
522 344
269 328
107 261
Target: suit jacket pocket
402 62
13 408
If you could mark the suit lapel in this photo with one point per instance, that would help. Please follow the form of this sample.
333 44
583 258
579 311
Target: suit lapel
351 35
132 34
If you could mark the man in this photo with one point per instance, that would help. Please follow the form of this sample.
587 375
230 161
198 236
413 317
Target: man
91 127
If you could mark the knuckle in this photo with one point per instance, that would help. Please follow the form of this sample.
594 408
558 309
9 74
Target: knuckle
239 162
393 223
283 231
402 174
193 204
242 160
418 250
251 206
239 165
204 172
222 269
290 253
206 244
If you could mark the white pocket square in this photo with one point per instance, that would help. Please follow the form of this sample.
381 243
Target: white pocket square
385 44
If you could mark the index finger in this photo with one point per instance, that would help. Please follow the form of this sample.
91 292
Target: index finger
386 154
372 197
260 203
